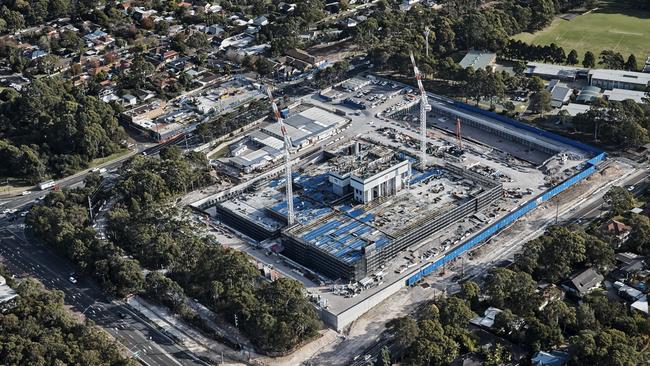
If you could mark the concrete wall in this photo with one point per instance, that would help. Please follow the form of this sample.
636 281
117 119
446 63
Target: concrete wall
342 319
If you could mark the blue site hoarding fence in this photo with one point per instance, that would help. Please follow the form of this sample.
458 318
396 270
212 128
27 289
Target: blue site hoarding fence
590 168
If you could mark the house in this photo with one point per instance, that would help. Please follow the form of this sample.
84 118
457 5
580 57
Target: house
560 93
144 95
286 8
349 22
640 305
304 58
628 264
95 35
583 283
129 99
407 4
212 8
261 21
487 320
627 292
332 6
140 13
616 230
37 53
478 60
214 30
553 358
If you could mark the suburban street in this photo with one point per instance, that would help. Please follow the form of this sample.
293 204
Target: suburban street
143 342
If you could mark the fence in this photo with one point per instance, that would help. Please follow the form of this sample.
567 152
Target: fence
590 168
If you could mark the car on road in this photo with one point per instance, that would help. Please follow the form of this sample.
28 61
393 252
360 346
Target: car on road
72 280
25 193
630 188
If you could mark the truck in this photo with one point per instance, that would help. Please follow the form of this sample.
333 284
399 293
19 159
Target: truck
46 185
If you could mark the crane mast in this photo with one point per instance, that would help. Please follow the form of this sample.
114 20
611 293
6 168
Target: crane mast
424 107
459 136
287 159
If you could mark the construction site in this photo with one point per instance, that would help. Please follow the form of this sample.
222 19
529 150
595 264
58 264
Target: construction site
412 183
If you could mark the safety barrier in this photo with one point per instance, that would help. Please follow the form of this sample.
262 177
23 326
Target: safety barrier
523 126
513 216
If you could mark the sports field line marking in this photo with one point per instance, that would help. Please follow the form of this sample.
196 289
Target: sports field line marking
619 42
625 33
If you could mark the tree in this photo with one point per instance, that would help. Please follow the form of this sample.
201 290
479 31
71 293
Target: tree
572 58
589 61
496 355
405 330
535 84
512 290
540 102
608 347
542 13
639 241
611 60
384 357
470 291
171 152
38 330
620 200
631 64
454 312
506 323
432 346
13 19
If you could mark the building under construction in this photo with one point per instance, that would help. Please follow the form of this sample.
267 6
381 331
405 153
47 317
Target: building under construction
359 207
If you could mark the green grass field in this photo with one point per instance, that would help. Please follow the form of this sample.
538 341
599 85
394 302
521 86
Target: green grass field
619 30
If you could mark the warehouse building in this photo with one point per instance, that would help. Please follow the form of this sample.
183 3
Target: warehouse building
265 146
307 127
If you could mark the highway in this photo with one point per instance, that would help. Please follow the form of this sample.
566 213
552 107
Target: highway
144 342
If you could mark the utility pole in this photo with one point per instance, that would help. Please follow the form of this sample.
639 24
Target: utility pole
459 136
427 31
287 159
424 108
90 209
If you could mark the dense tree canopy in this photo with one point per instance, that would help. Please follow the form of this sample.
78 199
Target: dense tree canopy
53 129
38 330
621 123
560 251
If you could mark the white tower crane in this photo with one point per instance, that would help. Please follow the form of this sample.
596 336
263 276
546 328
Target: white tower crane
424 108
287 158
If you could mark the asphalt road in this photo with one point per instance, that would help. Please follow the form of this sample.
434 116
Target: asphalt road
595 209
21 202
144 342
